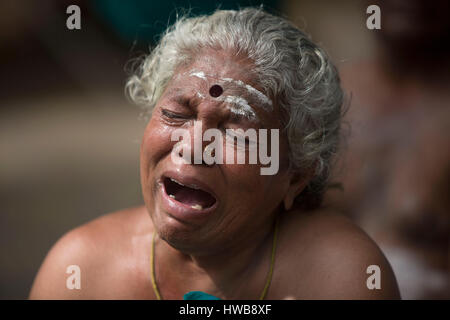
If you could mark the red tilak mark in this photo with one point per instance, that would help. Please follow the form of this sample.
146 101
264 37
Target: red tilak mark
215 91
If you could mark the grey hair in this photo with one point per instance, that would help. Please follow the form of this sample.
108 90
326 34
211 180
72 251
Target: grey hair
291 69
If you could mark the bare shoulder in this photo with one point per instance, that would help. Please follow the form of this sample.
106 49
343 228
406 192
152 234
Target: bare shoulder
96 250
332 258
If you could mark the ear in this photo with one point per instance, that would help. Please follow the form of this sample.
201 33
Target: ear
298 182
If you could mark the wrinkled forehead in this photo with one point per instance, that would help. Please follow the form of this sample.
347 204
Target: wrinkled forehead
212 77
221 64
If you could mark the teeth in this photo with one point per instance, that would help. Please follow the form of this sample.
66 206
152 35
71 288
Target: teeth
172 196
192 186
197 207
176 182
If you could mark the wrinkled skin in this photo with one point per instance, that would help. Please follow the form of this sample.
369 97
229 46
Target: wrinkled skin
320 255
247 200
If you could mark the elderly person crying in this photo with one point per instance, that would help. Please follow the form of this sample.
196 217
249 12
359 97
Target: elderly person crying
245 117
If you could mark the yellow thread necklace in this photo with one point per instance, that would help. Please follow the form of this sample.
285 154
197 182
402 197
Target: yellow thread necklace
269 276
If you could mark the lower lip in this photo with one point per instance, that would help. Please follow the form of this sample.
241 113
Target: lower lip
181 211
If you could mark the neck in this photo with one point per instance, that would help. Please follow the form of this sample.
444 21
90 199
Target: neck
225 273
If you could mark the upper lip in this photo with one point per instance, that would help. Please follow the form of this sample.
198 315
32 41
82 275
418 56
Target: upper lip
189 181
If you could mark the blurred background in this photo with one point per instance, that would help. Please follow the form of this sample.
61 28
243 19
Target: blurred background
69 140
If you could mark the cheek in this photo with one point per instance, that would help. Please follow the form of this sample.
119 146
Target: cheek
155 145
251 197
247 182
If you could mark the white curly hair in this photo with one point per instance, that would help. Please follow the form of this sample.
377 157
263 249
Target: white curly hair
291 69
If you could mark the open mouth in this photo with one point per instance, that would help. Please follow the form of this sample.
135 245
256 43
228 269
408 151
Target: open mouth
190 195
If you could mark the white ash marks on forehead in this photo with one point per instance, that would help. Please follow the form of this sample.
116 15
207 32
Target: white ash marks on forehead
261 96
198 74
202 96
240 107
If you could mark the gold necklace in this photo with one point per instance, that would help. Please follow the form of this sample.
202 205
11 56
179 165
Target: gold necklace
269 275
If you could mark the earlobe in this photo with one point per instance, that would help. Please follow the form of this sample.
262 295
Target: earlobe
298 183
294 189
288 202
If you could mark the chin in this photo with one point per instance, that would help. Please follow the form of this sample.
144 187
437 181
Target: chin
177 234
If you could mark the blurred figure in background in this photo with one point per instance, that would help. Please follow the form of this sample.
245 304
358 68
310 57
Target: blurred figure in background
395 164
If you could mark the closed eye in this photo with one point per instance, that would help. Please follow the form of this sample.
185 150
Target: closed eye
174 115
